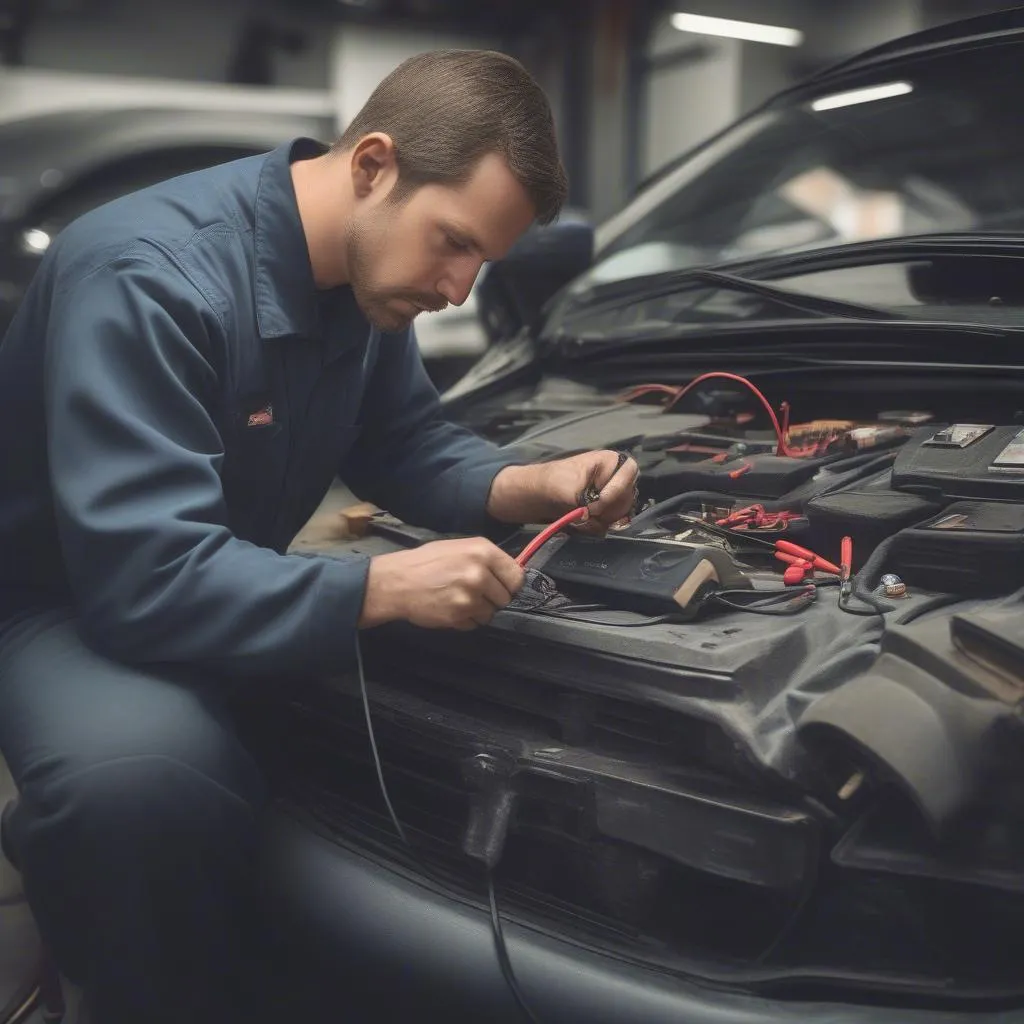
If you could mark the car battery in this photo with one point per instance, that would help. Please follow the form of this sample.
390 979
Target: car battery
963 460
973 548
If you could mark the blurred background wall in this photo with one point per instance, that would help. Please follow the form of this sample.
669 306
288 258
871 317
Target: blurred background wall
631 88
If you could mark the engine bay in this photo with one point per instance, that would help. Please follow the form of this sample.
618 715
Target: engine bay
787 689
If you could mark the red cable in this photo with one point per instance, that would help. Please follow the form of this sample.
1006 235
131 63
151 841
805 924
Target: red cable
783 448
846 558
742 518
646 389
548 532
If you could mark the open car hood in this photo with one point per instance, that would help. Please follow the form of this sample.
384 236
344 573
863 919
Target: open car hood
839 779
807 791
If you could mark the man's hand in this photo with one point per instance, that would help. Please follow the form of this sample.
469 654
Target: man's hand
543 492
449 584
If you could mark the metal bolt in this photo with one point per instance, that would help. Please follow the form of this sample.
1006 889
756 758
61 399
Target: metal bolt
894 586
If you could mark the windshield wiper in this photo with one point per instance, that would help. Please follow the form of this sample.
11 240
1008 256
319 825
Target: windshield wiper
674 282
601 344
616 295
747 276
880 250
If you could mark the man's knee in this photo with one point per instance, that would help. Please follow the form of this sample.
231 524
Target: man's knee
145 797
152 845
73 720
109 755
165 751
146 819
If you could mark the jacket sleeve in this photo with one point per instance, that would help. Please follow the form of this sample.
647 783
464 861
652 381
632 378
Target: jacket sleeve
134 458
409 459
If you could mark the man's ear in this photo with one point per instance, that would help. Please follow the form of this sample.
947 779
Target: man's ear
374 164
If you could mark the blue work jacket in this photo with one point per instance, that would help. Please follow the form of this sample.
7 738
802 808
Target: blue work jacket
176 398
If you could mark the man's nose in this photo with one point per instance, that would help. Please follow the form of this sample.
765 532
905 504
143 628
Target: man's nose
457 283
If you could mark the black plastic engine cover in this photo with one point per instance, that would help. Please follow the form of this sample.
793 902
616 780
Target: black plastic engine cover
901 725
974 548
868 511
755 476
937 469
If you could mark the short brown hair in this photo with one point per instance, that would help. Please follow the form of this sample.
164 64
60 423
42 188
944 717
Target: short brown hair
447 109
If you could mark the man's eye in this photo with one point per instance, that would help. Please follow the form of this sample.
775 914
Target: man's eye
456 244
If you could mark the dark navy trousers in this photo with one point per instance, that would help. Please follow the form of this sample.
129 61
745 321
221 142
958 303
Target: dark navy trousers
135 829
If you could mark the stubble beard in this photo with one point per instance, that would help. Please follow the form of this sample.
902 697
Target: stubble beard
373 303
376 304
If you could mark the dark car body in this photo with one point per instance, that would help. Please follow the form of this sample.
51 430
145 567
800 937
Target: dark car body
735 818
58 165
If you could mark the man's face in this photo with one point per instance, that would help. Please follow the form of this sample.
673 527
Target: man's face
426 252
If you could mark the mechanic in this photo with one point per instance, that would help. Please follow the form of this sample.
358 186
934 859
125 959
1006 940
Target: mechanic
190 369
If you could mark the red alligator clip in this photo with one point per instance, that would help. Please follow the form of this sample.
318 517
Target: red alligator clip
797 573
817 561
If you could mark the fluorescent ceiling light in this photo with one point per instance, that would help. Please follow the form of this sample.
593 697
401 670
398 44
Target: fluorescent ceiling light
874 92
35 241
737 29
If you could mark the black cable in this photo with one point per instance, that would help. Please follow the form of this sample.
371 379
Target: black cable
779 594
499 935
501 950
373 746
593 620
25 1011
875 606
763 600
807 890
863 583
760 598
669 505
800 601
735 537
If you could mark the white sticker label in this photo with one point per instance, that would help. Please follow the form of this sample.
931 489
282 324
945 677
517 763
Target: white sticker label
959 435
1011 458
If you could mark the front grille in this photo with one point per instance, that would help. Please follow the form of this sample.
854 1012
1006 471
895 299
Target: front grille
555 864
558 713
598 852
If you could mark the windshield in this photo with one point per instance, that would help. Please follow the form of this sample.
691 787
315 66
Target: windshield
939 148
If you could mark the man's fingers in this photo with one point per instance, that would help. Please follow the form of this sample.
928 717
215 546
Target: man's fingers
510 575
621 482
495 592
606 467
617 496
483 611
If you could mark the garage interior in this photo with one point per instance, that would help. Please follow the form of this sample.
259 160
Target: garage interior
618 73
634 85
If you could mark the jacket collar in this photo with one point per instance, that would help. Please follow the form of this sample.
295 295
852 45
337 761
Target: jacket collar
286 294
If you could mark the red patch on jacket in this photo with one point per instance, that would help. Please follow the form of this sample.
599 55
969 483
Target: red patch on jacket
262 417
